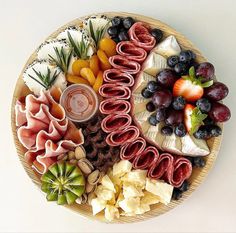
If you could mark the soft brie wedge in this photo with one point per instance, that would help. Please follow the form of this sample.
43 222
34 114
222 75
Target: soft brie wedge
154 64
141 82
168 47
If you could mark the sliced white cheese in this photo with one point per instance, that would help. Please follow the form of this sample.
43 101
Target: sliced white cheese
78 35
168 47
154 64
129 205
111 212
98 205
160 189
194 147
42 67
47 49
141 82
121 168
139 103
142 119
172 144
136 177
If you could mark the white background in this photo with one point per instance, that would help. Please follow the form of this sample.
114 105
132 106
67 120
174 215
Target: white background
210 25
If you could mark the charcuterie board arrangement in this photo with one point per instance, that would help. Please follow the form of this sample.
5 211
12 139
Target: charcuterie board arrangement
118 117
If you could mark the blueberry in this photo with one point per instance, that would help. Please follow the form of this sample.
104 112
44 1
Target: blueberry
180 130
178 103
215 130
177 194
198 162
161 114
167 130
116 21
204 105
150 107
146 93
123 36
128 22
116 39
152 86
152 120
157 33
186 56
185 186
181 68
201 133
172 61
112 31
208 121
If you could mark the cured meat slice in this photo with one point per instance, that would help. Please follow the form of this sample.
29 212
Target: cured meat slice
130 150
124 64
114 91
141 37
115 106
146 159
114 122
132 52
118 77
120 137
182 170
163 165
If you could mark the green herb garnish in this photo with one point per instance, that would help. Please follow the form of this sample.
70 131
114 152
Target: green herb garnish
80 48
45 80
62 59
197 118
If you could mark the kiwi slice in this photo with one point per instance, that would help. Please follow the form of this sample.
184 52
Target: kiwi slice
63 183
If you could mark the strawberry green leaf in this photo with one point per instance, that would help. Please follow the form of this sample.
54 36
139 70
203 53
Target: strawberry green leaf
192 72
197 118
207 84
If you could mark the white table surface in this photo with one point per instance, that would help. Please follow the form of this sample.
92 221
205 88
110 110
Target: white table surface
210 25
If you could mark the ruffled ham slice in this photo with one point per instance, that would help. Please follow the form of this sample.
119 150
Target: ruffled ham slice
146 159
116 76
114 91
130 150
130 51
124 64
120 137
141 37
115 106
115 122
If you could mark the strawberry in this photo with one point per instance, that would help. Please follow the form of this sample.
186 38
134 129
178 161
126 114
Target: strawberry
190 87
193 118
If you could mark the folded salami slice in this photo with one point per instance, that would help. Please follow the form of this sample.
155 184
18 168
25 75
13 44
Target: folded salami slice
141 37
120 137
115 106
114 91
162 167
118 77
182 170
146 159
132 52
115 122
124 64
130 150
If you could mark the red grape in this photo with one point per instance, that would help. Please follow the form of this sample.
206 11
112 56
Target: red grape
174 117
219 112
162 98
166 78
206 70
217 91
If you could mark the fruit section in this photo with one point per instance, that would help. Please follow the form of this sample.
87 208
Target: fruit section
118 116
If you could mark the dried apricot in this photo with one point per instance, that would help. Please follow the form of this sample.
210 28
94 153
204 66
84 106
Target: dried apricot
108 46
99 81
94 64
104 62
76 79
87 73
78 65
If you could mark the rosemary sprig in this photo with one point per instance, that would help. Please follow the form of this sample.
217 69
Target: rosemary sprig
80 48
45 80
97 34
62 59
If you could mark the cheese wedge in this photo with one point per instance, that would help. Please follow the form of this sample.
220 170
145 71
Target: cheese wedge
141 82
139 103
172 144
168 47
194 147
154 64
142 120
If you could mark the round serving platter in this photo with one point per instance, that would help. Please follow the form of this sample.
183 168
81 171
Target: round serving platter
198 175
